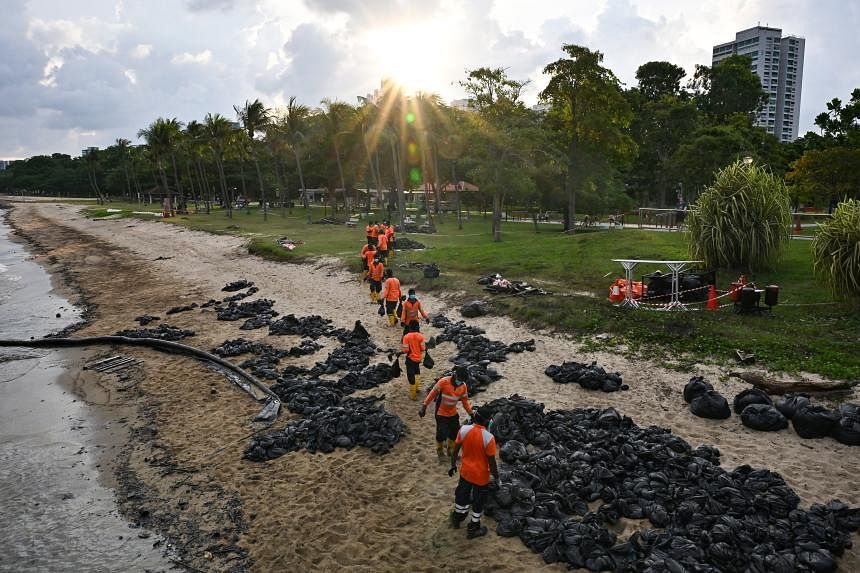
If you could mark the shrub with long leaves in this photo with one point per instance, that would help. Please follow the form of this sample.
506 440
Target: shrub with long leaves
836 251
741 221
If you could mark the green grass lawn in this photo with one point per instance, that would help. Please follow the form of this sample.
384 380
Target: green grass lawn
811 337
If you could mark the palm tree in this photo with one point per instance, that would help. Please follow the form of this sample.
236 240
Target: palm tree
255 117
92 160
197 146
158 140
122 148
368 119
295 122
219 134
339 121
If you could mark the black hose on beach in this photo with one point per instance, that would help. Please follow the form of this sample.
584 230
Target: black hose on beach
163 346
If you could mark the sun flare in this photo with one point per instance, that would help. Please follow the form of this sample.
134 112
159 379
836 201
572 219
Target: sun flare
409 55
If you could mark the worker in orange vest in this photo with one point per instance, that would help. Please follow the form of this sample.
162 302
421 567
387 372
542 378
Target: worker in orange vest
368 230
479 462
391 296
375 273
374 232
365 261
389 233
411 310
413 348
382 246
447 392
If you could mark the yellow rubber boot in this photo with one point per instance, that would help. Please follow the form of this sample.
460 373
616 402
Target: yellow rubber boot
450 447
413 389
440 450
372 298
392 320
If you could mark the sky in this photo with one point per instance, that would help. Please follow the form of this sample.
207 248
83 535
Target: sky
80 73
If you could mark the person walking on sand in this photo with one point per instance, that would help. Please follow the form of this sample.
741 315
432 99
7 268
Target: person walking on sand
413 348
412 309
389 233
447 393
479 462
382 246
390 296
365 260
375 273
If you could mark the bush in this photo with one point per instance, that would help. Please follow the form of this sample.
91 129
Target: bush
741 221
836 251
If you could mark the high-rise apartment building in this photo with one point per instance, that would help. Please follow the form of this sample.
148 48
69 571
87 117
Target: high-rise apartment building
778 61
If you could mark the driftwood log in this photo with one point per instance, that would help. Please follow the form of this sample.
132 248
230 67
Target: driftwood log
775 386
246 381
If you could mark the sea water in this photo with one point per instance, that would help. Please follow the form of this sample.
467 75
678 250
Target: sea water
56 513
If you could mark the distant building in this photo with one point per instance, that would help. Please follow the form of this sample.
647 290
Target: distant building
541 107
88 150
778 62
4 164
463 104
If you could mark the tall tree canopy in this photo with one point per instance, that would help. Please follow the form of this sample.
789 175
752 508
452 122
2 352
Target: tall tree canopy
730 87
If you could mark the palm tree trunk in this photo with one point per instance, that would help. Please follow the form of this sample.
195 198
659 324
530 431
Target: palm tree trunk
244 189
219 165
190 176
401 207
262 190
181 207
302 183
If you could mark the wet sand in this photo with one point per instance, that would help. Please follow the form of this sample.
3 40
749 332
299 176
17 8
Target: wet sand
350 510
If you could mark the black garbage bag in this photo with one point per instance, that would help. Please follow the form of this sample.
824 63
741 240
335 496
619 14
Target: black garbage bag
395 369
763 417
381 311
818 560
751 396
847 431
813 421
695 388
711 405
790 403
510 527
163 332
431 271
512 451
474 309
428 361
237 285
146 319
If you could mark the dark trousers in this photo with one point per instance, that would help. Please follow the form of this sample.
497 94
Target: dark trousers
412 368
447 427
390 306
370 240
375 286
468 494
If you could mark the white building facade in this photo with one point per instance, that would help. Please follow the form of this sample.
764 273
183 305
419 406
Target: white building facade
778 62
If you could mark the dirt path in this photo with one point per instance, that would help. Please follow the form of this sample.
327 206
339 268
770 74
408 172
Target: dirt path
350 510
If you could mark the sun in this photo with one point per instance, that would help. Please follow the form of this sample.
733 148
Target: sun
408 54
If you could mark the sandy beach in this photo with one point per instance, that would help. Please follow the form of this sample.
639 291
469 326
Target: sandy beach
182 472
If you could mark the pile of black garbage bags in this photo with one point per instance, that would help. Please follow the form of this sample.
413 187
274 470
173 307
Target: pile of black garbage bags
259 313
351 422
474 350
162 332
497 284
237 285
568 476
759 411
405 244
589 376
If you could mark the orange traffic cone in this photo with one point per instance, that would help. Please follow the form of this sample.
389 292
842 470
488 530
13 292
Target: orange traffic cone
712 299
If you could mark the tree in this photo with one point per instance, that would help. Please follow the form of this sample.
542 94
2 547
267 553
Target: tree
659 79
841 124
159 137
254 117
92 161
295 123
836 252
729 87
589 116
502 138
339 122
122 148
219 135
825 176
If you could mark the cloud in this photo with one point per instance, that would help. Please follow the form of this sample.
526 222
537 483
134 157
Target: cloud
203 57
141 51
206 5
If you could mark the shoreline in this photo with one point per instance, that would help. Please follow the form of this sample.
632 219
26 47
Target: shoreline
350 509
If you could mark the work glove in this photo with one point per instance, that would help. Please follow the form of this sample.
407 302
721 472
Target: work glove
423 411
427 320
380 302
452 471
